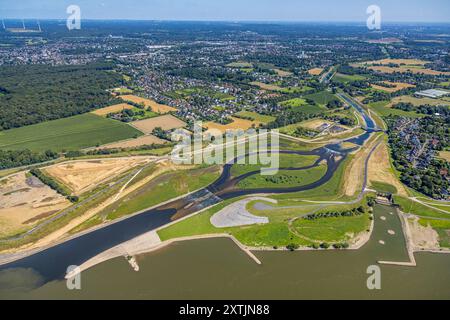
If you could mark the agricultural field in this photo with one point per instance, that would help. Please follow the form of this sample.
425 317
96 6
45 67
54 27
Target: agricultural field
24 201
146 140
419 101
260 118
404 66
384 109
282 73
237 124
74 133
301 105
345 78
167 122
445 155
380 170
398 86
83 176
240 65
322 98
155 107
315 71
113 109
277 88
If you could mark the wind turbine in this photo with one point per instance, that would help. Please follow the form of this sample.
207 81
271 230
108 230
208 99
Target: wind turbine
3 24
39 25
23 23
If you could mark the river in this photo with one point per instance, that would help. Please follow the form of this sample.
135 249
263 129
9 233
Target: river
217 269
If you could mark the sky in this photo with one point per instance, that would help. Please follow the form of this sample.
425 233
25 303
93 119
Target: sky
232 10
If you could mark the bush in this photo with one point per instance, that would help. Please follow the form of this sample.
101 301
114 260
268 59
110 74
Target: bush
325 245
292 247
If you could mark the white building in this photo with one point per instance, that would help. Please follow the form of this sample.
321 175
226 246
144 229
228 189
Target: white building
432 93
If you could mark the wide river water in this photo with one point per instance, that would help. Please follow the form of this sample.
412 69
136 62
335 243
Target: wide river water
217 269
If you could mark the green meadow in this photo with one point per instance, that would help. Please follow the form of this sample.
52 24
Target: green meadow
74 133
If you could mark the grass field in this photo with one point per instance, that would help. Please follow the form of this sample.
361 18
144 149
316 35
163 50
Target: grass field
419 101
340 229
382 108
345 78
74 133
322 98
256 117
286 161
409 206
383 187
284 179
274 234
163 188
300 104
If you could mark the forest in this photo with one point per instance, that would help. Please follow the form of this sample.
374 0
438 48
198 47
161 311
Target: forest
38 93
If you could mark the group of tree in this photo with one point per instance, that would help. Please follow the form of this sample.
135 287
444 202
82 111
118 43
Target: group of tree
20 158
336 214
52 183
38 93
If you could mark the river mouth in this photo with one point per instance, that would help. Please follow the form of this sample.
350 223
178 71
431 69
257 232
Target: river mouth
217 269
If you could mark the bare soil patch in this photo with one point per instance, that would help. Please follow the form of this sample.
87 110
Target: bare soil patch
83 176
24 201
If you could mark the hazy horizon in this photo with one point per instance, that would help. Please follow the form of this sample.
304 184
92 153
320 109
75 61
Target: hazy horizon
298 11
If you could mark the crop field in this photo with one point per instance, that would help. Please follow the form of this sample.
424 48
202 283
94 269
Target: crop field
167 122
418 101
237 124
265 86
315 71
240 64
345 78
146 140
398 86
282 73
112 109
445 155
74 133
322 98
384 110
404 66
156 107
256 117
